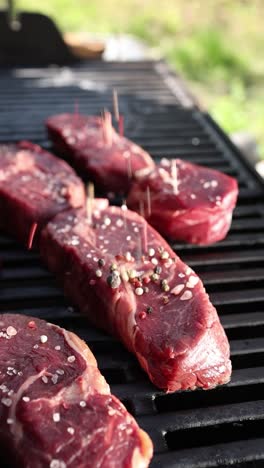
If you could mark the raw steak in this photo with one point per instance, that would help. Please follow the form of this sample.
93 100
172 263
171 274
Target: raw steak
195 207
128 281
56 408
34 187
97 151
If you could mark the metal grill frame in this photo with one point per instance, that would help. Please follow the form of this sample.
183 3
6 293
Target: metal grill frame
221 427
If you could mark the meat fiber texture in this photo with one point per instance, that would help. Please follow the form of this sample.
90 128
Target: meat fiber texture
186 201
127 280
97 151
56 408
34 187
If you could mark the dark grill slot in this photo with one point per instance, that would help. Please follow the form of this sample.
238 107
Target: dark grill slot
216 434
243 361
201 399
219 428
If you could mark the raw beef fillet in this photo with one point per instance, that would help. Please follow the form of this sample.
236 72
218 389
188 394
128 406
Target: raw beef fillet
128 281
34 187
195 206
56 408
97 151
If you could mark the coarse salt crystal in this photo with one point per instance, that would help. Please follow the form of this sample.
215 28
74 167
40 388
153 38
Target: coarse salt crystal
71 358
6 401
11 331
10 421
186 296
107 221
82 404
43 339
44 379
54 379
192 281
26 399
139 291
56 417
71 430
151 252
178 289
119 223
164 255
58 348
57 464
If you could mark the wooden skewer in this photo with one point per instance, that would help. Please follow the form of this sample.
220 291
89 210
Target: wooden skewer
121 125
103 127
32 233
174 175
115 105
89 201
119 118
148 197
141 208
144 226
107 127
139 249
124 210
129 166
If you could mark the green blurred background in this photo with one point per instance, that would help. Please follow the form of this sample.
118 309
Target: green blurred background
217 46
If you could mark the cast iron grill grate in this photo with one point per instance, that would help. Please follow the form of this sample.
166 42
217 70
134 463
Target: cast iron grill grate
199 429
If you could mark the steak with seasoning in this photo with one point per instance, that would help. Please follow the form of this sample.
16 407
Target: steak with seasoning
34 187
56 408
97 151
194 205
128 281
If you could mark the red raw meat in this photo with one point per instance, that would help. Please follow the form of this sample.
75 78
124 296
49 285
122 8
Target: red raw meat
34 187
199 212
56 408
96 151
152 301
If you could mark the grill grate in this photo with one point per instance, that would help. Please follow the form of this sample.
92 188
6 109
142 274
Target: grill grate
189 429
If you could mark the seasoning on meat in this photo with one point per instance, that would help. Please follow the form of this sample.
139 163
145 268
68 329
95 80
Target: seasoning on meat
199 212
165 318
85 142
34 187
56 409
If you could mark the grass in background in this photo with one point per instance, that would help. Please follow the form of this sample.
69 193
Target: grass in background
217 45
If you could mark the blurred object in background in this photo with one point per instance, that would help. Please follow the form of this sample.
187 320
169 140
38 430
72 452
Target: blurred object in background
28 38
247 144
260 168
125 47
83 46
217 45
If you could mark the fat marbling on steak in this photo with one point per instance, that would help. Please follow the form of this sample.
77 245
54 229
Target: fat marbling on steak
56 408
34 187
194 205
97 151
125 277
